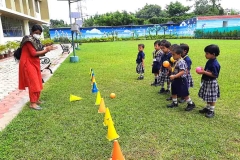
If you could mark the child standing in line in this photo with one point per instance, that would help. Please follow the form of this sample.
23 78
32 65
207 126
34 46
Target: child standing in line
165 47
140 61
209 90
187 59
179 85
172 63
157 54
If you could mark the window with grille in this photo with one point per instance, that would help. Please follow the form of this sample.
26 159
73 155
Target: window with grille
12 27
36 6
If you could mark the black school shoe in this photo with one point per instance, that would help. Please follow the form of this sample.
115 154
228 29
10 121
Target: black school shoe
190 107
167 91
162 90
154 84
140 78
172 105
204 110
210 114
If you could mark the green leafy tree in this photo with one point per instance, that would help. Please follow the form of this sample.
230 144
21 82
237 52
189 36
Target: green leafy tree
176 9
232 12
46 33
88 22
58 23
207 7
113 19
149 11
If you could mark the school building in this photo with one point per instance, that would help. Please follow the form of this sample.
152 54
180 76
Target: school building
18 16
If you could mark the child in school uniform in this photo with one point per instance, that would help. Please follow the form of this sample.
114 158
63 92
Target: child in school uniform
172 64
209 90
187 59
157 54
179 86
165 47
140 61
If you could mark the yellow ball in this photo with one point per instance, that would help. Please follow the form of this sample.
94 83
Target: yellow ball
172 60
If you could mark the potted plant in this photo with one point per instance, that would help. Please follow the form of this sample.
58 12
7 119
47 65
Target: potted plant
11 47
47 42
2 51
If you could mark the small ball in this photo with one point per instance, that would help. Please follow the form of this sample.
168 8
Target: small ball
166 64
112 95
172 60
198 69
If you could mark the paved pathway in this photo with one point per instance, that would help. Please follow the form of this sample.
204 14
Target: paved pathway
11 99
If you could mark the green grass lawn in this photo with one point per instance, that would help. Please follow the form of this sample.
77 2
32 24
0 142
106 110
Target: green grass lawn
148 130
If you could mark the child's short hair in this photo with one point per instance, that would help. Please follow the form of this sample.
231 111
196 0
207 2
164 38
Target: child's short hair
141 45
173 46
178 50
163 41
166 44
185 47
212 49
158 42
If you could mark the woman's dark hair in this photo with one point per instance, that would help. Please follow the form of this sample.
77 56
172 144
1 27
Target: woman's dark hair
212 49
36 27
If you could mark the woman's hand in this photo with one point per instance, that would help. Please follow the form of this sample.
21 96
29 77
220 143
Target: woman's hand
49 48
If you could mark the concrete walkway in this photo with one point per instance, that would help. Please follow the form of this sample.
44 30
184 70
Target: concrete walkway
12 100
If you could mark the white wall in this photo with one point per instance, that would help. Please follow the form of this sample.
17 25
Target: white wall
12 39
38 15
2 3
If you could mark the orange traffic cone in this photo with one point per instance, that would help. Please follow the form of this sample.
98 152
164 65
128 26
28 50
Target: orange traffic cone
107 117
102 108
93 80
112 134
117 153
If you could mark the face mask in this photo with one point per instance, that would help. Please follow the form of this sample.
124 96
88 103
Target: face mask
37 36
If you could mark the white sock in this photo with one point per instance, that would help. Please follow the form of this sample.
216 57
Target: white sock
208 106
174 100
212 108
189 101
168 86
